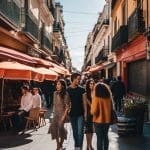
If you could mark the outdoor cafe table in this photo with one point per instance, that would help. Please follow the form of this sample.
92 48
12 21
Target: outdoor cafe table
6 117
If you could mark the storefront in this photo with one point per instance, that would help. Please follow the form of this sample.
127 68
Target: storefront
133 66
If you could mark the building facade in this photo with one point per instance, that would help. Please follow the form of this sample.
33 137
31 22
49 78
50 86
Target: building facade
98 44
60 45
129 42
26 26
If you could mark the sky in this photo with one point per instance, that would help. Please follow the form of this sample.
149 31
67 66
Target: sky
80 17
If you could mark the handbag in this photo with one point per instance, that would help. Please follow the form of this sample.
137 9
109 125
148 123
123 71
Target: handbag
114 118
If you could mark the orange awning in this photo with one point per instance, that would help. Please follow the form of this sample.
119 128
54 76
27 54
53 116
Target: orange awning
42 62
60 69
17 71
97 68
48 74
10 53
85 72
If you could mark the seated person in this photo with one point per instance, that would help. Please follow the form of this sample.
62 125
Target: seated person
26 105
36 98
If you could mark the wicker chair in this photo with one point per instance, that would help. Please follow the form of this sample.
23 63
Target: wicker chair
33 119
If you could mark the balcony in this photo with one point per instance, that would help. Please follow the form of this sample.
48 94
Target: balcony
136 23
105 22
51 6
45 41
102 56
11 11
120 38
56 27
31 25
113 3
88 63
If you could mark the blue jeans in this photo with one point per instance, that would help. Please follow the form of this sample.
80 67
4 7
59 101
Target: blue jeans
102 136
19 120
77 124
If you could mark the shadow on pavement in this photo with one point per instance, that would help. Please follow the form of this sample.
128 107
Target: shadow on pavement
10 140
129 142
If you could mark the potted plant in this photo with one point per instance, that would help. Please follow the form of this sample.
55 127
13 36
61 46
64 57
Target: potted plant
134 107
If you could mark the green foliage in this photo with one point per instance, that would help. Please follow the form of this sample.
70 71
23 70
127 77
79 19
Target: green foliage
131 102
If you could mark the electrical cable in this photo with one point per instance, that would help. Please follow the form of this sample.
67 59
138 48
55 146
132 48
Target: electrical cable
81 13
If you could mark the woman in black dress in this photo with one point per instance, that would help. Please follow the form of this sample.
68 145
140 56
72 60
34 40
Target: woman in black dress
88 123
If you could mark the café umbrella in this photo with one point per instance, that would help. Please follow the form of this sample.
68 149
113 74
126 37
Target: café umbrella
17 71
48 73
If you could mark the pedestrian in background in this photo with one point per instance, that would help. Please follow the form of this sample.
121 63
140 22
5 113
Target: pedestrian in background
78 110
61 109
36 98
89 120
118 91
101 109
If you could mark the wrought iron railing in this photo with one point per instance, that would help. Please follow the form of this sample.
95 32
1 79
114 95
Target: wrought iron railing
102 56
120 38
56 27
88 63
105 22
136 23
46 41
11 11
31 25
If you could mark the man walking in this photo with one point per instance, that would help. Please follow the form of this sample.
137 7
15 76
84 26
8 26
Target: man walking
118 91
78 110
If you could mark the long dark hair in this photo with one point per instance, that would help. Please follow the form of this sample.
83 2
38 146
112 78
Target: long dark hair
63 90
102 90
88 90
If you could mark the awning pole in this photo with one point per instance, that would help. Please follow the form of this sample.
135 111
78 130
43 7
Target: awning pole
2 98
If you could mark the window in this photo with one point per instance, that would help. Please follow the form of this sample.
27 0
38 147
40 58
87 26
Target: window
115 26
124 14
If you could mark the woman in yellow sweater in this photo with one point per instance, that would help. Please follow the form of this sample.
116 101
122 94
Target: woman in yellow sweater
101 109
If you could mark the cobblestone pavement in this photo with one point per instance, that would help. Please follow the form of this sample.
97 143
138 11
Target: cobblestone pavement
40 140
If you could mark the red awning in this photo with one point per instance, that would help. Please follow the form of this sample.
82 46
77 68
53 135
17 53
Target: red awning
42 62
17 71
60 69
85 72
97 68
48 74
10 53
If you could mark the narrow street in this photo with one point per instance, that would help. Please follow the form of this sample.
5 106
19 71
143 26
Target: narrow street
40 140
86 59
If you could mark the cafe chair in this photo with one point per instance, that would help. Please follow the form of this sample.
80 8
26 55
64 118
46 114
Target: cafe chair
6 119
42 121
32 119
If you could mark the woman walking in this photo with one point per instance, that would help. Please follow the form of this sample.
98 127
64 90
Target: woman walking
61 109
89 123
101 109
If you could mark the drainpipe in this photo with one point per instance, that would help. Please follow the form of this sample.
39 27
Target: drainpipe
147 14
148 58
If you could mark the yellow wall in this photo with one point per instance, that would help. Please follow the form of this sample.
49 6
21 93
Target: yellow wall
131 5
145 11
34 8
117 13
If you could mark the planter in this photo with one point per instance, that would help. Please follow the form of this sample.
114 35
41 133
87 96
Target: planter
136 112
